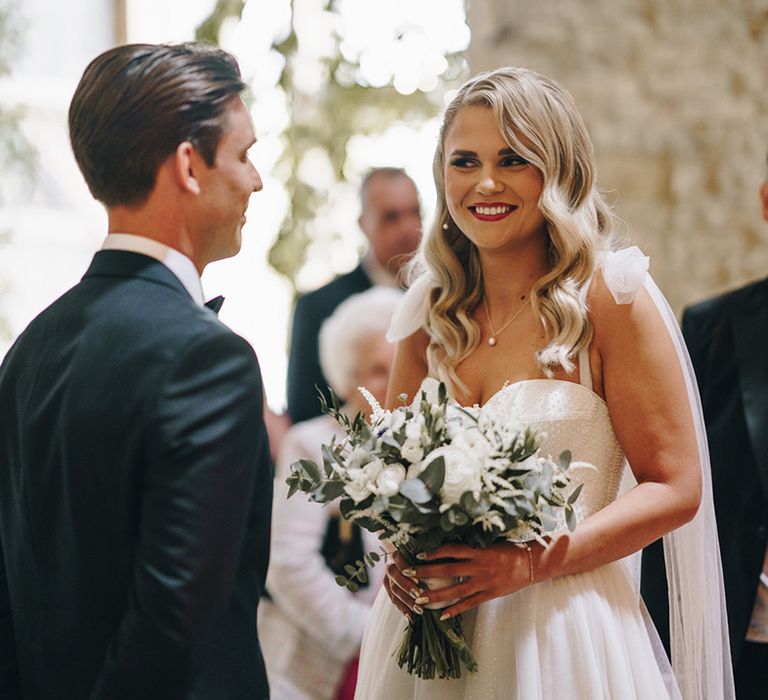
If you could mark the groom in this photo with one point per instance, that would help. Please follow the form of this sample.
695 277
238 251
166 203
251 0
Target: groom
135 481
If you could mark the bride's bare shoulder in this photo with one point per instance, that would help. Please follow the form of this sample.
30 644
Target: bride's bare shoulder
409 367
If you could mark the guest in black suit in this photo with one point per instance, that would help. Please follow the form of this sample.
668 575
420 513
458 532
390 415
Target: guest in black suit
135 481
727 338
391 221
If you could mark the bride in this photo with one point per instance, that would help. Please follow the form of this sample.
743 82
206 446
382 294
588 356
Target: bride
517 302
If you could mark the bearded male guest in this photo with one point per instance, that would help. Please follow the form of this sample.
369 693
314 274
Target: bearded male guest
135 480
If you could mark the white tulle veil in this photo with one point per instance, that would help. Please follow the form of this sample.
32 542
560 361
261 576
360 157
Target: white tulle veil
700 651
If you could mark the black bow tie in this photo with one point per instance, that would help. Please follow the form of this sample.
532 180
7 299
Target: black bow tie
215 304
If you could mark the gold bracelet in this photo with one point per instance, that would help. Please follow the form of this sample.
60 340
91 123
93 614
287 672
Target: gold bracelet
530 562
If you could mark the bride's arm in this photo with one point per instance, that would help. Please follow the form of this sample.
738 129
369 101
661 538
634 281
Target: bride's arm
408 368
646 395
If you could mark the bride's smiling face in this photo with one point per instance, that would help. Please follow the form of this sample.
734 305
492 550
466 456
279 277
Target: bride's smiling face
491 192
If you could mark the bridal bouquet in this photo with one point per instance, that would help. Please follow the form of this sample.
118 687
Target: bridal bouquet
432 473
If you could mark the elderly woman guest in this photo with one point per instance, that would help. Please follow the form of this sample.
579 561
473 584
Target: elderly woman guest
312 628
521 304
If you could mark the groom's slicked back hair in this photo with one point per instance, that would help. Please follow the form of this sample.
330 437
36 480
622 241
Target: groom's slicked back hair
136 103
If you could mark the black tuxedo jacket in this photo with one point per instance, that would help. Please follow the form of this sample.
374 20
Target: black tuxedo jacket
727 339
135 496
304 359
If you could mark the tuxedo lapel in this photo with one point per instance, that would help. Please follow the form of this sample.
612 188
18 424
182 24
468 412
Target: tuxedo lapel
750 334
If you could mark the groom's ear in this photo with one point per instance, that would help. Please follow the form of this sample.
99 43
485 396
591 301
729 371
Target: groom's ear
186 166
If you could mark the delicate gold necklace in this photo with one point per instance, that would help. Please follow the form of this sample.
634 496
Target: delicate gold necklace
492 339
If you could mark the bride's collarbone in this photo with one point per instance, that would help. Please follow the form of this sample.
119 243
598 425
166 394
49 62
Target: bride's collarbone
485 372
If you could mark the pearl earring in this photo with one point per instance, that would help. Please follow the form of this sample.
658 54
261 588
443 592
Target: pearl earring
445 226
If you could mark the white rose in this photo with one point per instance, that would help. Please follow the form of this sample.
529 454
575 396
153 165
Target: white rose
473 441
390 479
412 451
462 472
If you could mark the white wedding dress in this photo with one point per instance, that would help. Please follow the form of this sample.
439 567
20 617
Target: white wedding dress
578 637
575 637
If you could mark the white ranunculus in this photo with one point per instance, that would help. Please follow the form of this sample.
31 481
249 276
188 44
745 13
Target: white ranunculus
358 485
390 479
373 469
412 451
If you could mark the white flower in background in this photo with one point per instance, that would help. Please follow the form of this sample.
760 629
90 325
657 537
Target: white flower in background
412 451
390 479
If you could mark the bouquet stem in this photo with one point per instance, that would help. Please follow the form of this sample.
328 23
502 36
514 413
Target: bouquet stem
433 646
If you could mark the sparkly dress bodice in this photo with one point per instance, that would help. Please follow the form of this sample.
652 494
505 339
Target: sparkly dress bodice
571 417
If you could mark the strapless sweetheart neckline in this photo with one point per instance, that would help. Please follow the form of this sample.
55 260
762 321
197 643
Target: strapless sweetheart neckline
532 380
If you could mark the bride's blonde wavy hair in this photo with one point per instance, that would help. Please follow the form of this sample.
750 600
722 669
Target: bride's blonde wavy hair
539 120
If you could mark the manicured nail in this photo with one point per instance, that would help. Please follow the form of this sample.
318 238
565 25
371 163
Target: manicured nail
423 600
418 609
421 555
444 617
415 592
409 617
409 572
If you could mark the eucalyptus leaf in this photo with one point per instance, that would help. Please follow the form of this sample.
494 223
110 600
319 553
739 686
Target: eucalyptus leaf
576 493
564 460
332 490
570 519
434 475
415 490
310 470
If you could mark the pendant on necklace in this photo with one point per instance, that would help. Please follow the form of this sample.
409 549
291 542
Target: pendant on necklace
491 341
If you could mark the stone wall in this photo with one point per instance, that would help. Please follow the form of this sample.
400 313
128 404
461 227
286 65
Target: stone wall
675 96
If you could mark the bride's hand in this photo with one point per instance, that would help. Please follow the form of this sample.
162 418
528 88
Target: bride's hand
483 574
402 590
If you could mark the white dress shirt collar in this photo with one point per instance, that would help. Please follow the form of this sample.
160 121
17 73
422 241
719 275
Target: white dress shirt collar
377 273
178 263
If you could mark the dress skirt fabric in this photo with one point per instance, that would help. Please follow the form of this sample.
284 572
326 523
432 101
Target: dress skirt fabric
579 637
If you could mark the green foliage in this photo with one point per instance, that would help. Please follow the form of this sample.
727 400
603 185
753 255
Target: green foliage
209 30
